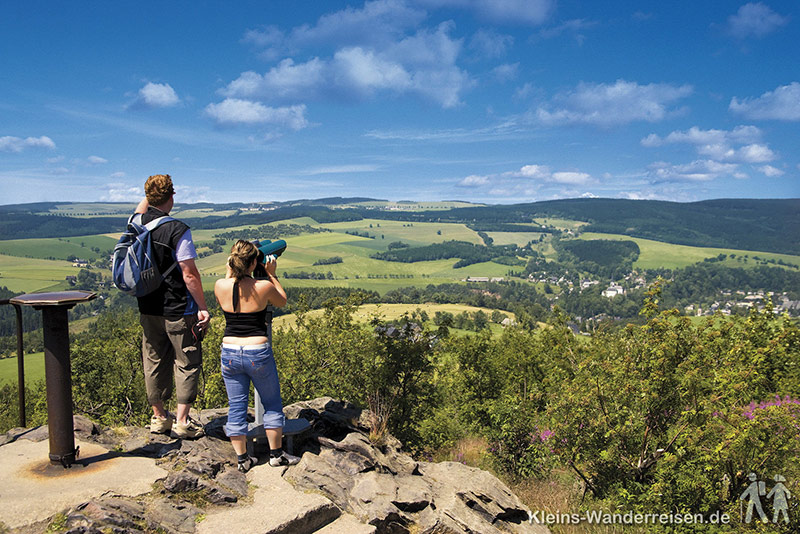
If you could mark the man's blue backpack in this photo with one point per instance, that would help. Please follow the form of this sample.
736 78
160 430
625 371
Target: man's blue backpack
133 269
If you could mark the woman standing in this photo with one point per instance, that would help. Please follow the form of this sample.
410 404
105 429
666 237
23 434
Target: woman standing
247 354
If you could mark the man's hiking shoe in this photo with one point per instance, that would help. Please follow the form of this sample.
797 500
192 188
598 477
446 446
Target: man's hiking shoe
192 429
245 466
284 459
161 425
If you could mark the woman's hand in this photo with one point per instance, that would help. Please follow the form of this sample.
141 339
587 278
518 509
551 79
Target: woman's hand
271 263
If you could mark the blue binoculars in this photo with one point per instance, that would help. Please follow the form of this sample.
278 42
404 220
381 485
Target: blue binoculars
270 248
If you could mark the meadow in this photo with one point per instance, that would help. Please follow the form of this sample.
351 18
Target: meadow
34 369
391 312
25 267
59 247
27 275
655 254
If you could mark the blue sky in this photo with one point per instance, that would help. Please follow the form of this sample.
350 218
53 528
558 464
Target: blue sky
492 101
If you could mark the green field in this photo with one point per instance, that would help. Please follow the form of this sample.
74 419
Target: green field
514 238
59 247
34 369
655 254
357 269
391 312
92 209
25 275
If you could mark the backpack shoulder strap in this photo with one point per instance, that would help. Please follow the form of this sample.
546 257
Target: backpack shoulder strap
155 223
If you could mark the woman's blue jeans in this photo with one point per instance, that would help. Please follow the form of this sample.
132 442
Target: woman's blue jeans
241 365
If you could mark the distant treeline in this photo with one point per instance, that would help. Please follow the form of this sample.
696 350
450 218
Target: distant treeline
329 261
271 231
602 257
703 279
509 227
744 224
468 253
20 225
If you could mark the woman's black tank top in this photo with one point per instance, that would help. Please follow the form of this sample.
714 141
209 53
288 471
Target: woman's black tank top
244 324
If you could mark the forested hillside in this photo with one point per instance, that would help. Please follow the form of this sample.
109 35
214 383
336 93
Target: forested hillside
744 224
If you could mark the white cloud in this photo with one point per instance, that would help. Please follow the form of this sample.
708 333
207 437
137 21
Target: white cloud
10 143
339 169
526 175
574 26
697 136
612 104
375 25
118 174
474 180
423 63
155 95
719 144
96 160
119 192
781 104
574 178
490 44
363 71
696 171
755 154
587 194
771 171
505 72
755 20
534 171
287 81
234 111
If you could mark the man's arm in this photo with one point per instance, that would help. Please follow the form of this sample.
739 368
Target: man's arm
191 277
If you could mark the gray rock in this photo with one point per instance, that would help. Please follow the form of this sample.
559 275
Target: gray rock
232 479
113 514
39 433
84 426
386 488
177 518
181 481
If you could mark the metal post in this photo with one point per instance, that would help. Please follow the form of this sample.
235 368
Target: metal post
20 368
58 377
57 368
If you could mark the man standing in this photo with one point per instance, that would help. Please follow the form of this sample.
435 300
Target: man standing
172 317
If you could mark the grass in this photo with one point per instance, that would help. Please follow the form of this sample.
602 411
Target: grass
25 275
415 234
391 312
656 254
34 369
59 247
514 238
358 269
87 210
561 224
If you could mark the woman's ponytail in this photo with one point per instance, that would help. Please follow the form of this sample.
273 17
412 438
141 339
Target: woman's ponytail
242 255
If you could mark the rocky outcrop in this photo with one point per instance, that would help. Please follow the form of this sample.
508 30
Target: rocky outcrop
342 475
385 487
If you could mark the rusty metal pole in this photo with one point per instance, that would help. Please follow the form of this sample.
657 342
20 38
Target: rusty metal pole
20 367
57 368
58 377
